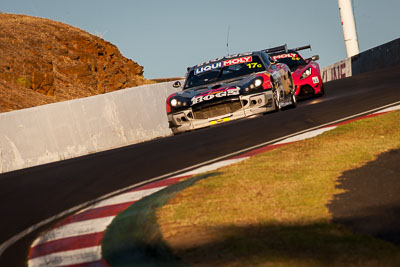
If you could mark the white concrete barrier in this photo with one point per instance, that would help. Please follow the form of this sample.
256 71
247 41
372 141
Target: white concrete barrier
338 70
48 133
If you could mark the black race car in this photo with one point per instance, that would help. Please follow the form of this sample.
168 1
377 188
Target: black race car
230 88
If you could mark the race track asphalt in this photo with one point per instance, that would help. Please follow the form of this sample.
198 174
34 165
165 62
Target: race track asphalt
31 195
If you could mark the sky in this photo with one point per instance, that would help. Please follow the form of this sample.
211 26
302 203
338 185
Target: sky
166 37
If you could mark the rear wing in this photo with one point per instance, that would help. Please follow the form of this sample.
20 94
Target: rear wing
281 48
284 49
302 48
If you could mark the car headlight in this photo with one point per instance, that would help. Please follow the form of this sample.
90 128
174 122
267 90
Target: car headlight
255 84
306 73
177 103
174 102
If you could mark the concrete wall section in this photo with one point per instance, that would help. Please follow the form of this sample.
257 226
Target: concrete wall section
54 132
380 57
339 70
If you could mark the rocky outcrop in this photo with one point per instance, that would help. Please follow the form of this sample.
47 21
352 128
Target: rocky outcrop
44 61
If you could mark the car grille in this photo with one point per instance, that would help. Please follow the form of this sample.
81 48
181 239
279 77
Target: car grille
217 110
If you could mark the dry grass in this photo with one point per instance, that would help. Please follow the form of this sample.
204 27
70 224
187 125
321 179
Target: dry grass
44 61
271 209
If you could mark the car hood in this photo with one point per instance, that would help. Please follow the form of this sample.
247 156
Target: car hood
298 71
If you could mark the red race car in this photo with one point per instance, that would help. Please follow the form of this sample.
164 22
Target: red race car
305 72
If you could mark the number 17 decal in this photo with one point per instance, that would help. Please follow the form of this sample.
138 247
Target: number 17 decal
254 65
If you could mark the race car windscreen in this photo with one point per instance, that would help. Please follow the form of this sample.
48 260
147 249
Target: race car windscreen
224 70
292 60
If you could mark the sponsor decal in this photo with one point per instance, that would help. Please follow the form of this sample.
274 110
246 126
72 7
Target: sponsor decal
219 120
208 68
215 94
222 58
237 61
315 80
224 63
291 55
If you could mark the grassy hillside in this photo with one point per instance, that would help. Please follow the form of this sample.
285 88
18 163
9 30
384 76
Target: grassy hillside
272 209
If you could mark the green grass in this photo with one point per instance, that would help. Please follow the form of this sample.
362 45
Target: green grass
271 210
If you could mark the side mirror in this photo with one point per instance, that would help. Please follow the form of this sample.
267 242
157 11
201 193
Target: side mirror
177 84
273 61
315 58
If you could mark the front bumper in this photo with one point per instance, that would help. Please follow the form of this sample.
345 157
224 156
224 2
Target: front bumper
232 109
309 86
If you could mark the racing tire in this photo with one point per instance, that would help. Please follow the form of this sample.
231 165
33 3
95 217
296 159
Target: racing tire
293 99
277 102
322 90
